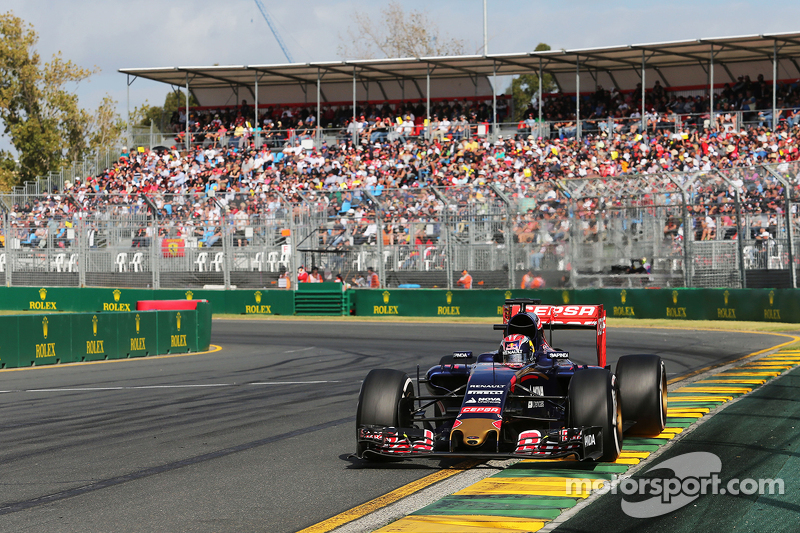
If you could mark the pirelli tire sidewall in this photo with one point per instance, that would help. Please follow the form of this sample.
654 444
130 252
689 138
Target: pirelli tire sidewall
642 381
380 400
593 401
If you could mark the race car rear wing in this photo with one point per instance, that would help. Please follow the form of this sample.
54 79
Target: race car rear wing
562 317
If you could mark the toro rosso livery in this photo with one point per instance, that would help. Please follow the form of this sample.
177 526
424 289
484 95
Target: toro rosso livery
526 399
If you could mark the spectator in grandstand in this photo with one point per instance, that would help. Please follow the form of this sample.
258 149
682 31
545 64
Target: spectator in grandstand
465 281
372 278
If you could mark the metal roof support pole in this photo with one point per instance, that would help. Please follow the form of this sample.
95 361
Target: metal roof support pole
428 102
318 135
188 141
644 125
355 126
577 98
774 84
129 141
255 123
485 31
540 95
711 122
494 99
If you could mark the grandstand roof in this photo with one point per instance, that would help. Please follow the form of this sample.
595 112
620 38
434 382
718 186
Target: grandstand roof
674 63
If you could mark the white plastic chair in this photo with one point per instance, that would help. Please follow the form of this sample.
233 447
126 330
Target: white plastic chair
122 262
202 257
284 260
216 264
258 262
58 262
136 262
72 266
2 262
272 260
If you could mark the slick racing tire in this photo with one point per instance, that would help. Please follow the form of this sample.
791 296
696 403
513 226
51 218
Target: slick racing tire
593 401
642 381
379 402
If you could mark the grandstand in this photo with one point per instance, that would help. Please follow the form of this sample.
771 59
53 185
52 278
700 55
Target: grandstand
421 188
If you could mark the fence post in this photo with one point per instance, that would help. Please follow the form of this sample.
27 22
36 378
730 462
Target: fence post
227 253
82 236
9 248
155 248
787 195
381 264
448 249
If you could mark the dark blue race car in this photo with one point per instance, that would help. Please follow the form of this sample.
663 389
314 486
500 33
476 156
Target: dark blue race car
526 399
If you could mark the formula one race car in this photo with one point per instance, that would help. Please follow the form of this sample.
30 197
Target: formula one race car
525 400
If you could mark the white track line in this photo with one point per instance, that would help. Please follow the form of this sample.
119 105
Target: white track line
144 387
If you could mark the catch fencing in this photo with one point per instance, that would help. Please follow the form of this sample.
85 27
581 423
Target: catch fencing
731 228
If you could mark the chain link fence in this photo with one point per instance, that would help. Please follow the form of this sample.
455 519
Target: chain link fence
727 228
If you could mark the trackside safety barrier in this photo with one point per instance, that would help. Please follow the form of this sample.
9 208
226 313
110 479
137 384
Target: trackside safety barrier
773 305
43 339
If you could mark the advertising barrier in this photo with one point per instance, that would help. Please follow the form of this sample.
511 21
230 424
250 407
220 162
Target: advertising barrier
772 305
44 339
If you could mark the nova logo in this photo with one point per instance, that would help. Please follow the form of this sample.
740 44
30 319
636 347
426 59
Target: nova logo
258 297
117 293
189 295
589 440
386 297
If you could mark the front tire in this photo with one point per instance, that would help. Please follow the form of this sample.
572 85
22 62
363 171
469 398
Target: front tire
642 382
386 399
593 401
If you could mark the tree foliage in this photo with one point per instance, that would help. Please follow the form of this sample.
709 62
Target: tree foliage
159 116
39 108
525 86
398 33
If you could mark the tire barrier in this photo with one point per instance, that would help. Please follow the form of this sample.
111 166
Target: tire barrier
46 339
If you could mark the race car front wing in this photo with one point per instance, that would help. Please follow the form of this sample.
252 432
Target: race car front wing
585 442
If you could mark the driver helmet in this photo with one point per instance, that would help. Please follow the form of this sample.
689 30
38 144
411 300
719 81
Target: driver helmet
517 349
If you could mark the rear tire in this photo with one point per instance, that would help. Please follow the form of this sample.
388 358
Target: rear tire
379 402
642 380
593 401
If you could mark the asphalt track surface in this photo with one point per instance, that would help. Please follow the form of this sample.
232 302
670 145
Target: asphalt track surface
255 437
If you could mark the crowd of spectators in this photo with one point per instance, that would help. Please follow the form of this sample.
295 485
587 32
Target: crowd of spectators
192 192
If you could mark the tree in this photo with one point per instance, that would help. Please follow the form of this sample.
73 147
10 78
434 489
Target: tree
40 115
397 34
159 116
524 87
